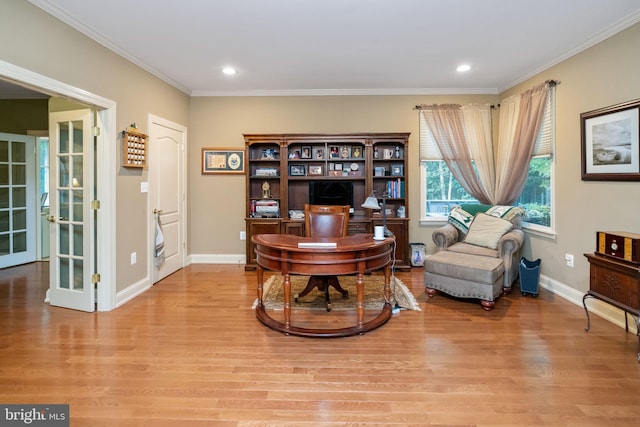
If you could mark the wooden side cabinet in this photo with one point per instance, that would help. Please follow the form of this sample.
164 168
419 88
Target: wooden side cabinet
617 283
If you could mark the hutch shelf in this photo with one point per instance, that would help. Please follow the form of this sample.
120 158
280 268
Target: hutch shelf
286 171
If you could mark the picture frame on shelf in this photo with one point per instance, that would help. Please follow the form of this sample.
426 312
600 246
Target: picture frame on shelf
397 170
334 152
379 171
305 152
318 153
294 154
266 171
297 170
338 166
269 154
315 170
222 161
357 152
610 143
345 152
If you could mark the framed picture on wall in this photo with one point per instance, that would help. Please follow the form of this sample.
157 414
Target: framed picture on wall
222 160
610 145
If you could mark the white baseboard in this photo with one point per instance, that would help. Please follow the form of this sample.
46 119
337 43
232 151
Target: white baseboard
217 259
132 291
595 306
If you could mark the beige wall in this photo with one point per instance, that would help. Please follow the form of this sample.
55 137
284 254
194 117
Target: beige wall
604 75
217 202
42 44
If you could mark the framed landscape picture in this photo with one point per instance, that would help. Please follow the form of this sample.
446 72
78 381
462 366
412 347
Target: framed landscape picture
610 145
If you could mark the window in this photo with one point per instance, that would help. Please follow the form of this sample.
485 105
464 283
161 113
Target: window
537 197
440 191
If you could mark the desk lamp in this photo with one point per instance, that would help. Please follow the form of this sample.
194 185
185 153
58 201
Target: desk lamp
371 202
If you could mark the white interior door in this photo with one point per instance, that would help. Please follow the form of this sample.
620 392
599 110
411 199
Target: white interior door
167 194
17 199
72 222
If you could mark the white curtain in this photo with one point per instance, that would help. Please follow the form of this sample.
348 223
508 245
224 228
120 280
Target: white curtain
477 120
451 133
520 119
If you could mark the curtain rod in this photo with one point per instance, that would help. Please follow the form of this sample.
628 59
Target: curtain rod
552 83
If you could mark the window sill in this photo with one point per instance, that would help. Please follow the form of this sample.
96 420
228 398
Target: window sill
544 232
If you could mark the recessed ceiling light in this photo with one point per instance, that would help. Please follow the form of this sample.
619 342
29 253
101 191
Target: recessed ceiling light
229 71
463 68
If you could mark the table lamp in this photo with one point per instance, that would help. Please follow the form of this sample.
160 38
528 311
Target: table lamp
371 202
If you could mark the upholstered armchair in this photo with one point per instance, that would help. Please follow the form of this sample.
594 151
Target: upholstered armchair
478 253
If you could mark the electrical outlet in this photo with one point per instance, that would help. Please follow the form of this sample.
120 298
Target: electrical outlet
569 259
243 235
134 257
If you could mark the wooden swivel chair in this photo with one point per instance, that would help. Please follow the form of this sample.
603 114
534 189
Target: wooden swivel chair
325 221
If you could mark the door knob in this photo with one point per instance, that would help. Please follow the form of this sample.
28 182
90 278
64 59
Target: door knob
51 218
157 211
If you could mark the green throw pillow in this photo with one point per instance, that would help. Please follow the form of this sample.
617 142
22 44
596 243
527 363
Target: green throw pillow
460 219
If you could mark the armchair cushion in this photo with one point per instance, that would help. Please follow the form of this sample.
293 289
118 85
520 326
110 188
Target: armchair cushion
487 230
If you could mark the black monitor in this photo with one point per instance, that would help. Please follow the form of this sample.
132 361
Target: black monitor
331 193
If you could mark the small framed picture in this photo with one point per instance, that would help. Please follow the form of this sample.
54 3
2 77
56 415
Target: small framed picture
397 170
334 152
378 171
306 152
315 170
268 154
338 166
356 152
318 153
294 154
345 152
297 170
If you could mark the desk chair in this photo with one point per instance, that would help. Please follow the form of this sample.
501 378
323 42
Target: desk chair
325 221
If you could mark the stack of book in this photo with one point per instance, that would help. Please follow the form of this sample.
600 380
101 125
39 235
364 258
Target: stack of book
265 208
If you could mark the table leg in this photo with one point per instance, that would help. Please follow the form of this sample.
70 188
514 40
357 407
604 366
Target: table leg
260 273
584 304
360 299
287 300
387 281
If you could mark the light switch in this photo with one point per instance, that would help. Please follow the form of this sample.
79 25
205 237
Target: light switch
144 187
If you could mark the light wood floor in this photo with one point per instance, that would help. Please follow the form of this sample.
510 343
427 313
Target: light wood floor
190 352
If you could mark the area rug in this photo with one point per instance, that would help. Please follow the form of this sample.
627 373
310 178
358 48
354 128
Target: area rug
273 294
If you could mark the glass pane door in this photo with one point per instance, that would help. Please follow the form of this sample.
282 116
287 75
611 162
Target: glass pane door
70 198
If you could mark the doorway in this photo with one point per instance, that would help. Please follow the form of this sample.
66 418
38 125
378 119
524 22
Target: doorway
104 252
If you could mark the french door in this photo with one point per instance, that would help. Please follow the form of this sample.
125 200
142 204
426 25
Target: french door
17 200
72 221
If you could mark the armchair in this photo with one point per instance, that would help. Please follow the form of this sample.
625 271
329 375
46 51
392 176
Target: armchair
478 255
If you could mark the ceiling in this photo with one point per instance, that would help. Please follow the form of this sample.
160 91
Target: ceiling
322 47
